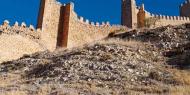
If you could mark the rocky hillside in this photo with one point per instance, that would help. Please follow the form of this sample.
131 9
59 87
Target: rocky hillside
172 41
137 62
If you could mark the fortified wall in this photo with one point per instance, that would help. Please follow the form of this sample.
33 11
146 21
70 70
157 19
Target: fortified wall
62 27
17 40
164 20
22 29
184 11
135 16
83 31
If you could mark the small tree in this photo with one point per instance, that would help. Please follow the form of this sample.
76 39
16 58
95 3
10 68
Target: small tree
151 21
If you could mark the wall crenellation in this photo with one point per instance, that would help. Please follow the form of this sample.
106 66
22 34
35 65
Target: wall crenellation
130 12
167 17
82 31
22 26
60 26
28 32
97 24
170 20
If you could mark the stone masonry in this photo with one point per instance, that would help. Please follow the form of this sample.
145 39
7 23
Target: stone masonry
48 22
129 13
17 40
132 19
61 27
141 17
185 9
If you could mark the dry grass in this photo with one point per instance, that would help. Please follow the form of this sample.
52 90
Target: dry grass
180 90
183 76
14 93
10 81
11 78
130 43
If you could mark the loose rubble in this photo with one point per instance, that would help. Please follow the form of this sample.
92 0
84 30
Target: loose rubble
166 37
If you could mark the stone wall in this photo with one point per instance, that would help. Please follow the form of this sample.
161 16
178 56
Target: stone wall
173 20
185 9
61 27
22 29
62 39
164 20
50 23
17 40
129 13
141 17
41 13
82 31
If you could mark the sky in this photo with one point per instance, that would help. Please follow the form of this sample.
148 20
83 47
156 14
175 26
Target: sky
94 10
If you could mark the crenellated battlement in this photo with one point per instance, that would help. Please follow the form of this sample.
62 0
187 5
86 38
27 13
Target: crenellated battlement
167 17
170 20
60 26
5 25
130 15
22 29
82 20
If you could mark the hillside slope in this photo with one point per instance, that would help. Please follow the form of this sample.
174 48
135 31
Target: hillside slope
141 62
14 43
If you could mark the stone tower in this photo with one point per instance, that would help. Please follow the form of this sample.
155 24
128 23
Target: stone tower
141 17
185 9
53 20
129 13
41 14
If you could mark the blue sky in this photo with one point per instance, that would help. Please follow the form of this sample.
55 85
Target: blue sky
94 10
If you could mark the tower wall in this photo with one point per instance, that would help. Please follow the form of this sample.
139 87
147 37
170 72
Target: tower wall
141 17
50 23
41 13
61 27
129 13
185 9
62 39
